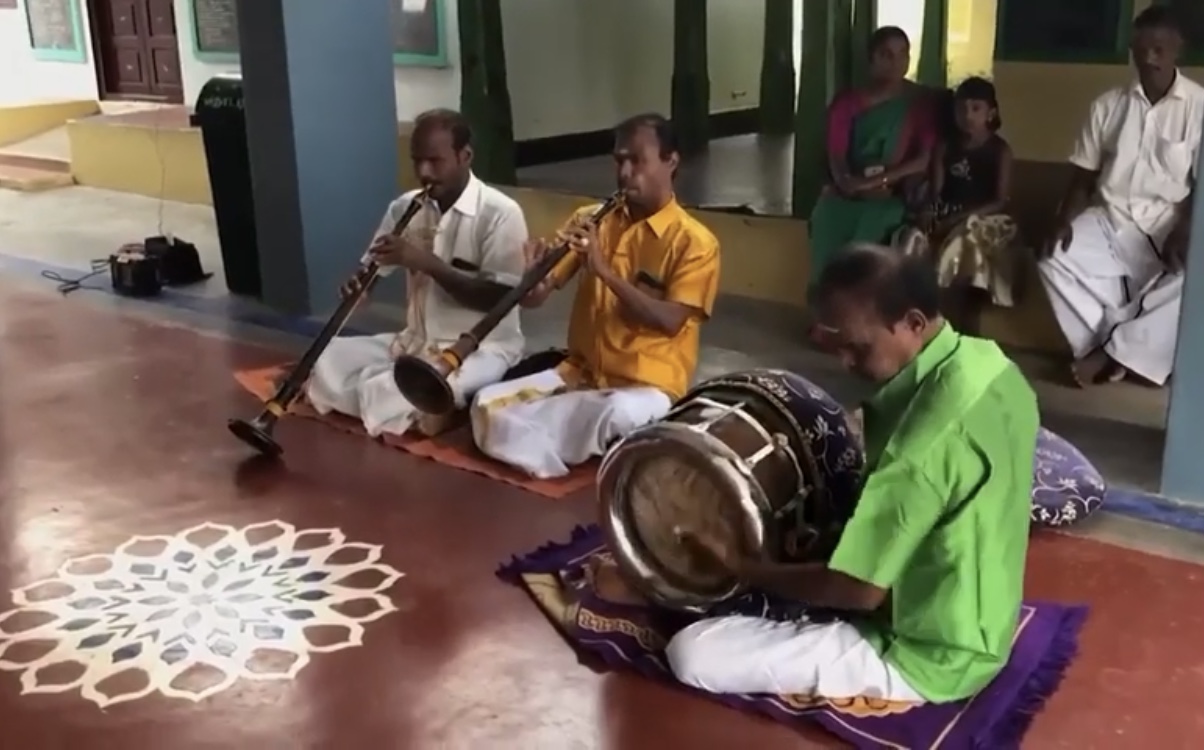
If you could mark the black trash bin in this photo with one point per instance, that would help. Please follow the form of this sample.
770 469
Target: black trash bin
220 115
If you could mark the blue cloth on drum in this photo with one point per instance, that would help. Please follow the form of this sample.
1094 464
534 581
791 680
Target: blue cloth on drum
1066 486
819 420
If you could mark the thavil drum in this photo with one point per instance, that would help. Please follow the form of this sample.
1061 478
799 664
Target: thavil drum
762 460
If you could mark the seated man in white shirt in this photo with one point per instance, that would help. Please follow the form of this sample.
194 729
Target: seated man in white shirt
1113 268
461 253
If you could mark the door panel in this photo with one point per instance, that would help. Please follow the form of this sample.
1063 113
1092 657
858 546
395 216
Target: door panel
137 49
125 51
161 42
165 69
129 68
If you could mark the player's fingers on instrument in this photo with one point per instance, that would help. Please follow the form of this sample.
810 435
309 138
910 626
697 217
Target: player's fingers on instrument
574 233
533 250
577 243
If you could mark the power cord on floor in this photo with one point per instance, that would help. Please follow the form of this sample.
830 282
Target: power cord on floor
67 286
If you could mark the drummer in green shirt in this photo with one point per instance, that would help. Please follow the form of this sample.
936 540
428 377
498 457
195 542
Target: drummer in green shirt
934 553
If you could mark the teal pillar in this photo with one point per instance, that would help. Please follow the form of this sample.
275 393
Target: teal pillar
484 91
322 140
933 69
841 19
817 85
691 87
777 69
1182 467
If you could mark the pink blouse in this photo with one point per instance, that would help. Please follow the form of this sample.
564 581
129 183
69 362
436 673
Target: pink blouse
919 132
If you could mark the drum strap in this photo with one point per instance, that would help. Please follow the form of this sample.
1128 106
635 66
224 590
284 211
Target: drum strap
736 410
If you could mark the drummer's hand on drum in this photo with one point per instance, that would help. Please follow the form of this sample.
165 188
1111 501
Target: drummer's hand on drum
534 250
714 552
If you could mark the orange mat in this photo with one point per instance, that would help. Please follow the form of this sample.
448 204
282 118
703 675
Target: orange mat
454 448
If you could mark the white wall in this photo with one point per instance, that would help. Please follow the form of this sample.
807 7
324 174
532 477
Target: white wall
24 80
417 89
193 72
735 42
582 65
573 65
909 16
566 72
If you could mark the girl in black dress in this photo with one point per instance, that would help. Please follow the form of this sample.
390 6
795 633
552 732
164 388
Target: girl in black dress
963 226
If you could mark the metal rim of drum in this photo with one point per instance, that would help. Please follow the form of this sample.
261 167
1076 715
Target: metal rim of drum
704 452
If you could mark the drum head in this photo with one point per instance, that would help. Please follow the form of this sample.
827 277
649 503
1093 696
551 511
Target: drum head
670 498
666 483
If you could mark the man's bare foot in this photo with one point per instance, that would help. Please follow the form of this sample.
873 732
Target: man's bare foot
1084 370
1079 374
1111 372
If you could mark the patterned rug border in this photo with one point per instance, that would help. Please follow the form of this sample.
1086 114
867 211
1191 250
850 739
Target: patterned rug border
1006 732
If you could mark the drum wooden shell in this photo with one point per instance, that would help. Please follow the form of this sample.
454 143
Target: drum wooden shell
761 460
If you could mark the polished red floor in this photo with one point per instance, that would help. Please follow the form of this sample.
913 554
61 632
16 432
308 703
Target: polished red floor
114 426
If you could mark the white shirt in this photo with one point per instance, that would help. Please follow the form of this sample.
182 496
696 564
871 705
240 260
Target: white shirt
1145 153
485 231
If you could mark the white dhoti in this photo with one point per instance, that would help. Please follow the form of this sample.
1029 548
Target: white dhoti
1110 289
754 655
354 376
533 424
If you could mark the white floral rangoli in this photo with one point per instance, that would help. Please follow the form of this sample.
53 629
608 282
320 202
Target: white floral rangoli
188 615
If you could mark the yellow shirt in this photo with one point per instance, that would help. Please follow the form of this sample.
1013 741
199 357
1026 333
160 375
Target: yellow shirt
671 256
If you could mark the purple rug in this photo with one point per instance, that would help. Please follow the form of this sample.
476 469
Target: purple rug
628 637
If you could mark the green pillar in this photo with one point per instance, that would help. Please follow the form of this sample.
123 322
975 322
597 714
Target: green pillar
933 68
777 69
865 21
484 94
823 23
841 20
691 88
498 88
855 21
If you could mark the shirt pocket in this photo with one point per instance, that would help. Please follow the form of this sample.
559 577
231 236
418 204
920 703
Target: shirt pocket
650 282
1173 159
459 248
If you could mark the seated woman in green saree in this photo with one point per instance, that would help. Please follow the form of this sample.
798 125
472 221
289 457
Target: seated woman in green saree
878 137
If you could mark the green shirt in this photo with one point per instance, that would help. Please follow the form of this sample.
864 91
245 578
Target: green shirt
942 521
